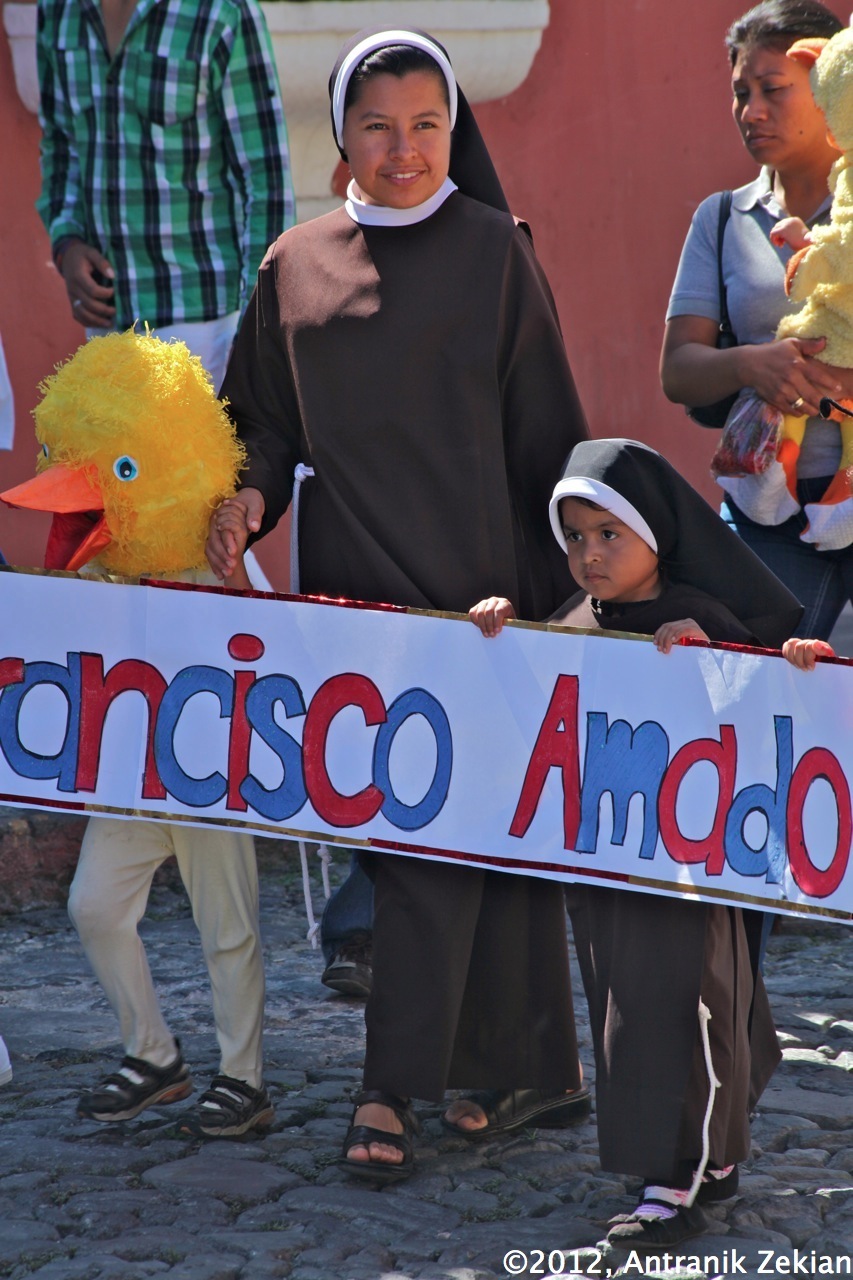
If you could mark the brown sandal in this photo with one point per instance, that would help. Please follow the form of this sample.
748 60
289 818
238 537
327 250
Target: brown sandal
509 1109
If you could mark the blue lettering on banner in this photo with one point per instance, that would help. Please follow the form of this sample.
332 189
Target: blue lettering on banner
622 762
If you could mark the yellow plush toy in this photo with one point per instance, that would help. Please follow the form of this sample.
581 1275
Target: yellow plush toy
136 453
820 279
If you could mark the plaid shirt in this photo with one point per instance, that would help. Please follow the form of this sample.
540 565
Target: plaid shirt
171 158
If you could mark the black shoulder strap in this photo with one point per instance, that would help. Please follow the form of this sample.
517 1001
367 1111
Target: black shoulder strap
725 210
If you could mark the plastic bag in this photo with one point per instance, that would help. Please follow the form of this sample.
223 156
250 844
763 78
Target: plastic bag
750 437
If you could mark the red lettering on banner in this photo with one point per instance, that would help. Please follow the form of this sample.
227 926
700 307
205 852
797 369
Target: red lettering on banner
818 763
556 748
709 849
339 692
97 695
11 671
239 739
246 648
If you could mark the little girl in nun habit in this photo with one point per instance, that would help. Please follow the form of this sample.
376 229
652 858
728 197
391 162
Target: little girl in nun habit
653 558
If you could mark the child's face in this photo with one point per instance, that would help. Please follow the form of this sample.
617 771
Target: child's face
606 558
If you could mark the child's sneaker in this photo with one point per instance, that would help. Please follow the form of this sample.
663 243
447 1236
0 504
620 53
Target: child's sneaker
718 1184
661 1218
135 1086
5 1063
229 1108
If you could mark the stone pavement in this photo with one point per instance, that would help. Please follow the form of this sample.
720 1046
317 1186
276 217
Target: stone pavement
82 1201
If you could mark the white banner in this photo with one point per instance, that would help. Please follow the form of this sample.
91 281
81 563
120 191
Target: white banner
714 773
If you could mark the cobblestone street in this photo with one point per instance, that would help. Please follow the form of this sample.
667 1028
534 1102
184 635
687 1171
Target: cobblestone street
83 1201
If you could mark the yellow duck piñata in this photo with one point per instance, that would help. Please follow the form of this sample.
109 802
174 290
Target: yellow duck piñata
136 453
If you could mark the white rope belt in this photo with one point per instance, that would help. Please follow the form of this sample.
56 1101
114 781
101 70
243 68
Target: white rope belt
325 857
713 1086
300 475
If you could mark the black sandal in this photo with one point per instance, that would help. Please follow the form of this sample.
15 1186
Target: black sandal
361 1135
638 1231
510 1109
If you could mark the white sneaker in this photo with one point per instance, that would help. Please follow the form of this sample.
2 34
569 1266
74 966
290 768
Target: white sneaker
5 1063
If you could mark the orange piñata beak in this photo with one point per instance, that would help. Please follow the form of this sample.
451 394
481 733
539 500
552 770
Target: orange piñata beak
78 531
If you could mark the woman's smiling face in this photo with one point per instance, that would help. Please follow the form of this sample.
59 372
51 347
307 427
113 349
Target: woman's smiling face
397 138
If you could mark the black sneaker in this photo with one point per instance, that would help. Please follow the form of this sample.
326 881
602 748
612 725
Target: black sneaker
135 1086
349 971
227 1109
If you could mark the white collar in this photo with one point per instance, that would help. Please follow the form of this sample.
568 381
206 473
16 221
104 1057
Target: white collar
382 215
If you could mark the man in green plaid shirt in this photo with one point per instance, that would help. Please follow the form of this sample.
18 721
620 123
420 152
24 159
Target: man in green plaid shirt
165 178
165 170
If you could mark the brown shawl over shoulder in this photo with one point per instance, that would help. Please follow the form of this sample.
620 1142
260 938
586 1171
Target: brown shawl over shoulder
421 371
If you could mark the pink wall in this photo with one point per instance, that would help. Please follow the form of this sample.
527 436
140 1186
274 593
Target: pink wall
36 328
619 131
621 128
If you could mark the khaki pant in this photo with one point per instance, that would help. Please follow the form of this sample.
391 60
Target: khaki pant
108 898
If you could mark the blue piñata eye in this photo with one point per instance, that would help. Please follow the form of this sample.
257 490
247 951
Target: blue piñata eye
126 468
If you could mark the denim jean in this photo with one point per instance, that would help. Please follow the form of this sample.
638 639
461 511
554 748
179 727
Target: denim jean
821 580
348 912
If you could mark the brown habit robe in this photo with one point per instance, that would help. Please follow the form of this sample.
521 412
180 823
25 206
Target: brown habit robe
647 960
420 370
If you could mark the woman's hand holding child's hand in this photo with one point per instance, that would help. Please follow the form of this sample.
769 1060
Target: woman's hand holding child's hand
230 526
804 653
667 635
231 519
490 615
